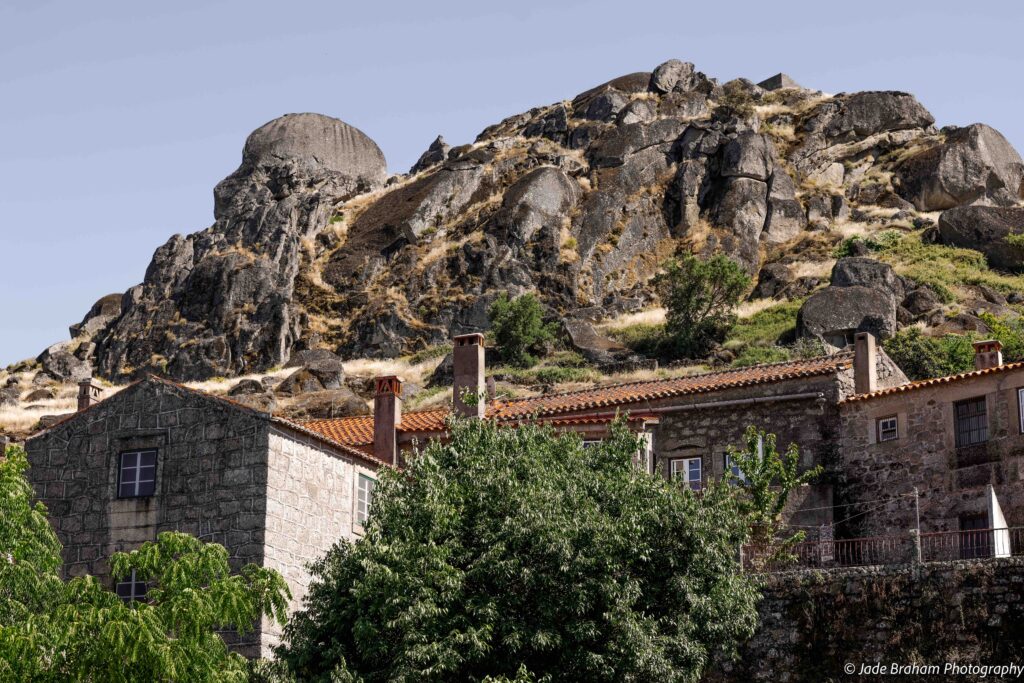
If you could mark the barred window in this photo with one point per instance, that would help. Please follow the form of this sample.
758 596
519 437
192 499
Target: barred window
888 428
137 478
971 422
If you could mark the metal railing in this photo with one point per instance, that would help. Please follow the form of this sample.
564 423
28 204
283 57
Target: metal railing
942 546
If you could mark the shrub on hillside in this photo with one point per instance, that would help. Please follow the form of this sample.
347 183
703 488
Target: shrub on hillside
922 357
518 328
700 298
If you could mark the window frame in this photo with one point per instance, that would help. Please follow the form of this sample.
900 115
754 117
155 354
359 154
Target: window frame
683 474
880 431
364 498
959 436
137 468
728 466
1020 409
133 582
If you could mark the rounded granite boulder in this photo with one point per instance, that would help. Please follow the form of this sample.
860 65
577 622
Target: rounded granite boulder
316 141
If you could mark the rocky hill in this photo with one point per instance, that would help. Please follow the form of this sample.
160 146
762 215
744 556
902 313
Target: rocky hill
314 247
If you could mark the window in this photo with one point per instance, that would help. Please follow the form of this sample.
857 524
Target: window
590 443
732 466
364 498
138 474
1020 408
971 422
688 470
132 589
888 428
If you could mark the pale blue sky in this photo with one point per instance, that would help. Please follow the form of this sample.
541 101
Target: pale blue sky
117 118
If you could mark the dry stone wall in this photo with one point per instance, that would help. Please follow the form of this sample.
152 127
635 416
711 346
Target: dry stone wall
814 624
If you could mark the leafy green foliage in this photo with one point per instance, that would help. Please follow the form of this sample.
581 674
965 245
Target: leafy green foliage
517 554
943 268
1010 332
922 357
644 338
882 241
769 477
518 328
700 297
56 631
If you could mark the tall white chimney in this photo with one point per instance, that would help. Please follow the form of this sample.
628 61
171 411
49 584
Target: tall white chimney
865 370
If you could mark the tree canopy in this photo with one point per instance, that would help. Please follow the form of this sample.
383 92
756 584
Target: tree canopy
518 328
700 298
519 554
52 630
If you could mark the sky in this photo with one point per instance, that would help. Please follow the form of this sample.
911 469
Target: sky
118 118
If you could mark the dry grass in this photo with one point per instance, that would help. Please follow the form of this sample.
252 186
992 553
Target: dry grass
651 316
416 373
813 268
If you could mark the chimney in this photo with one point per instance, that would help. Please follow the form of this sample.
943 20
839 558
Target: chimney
468 361
387 415
88 393
988 354
865 371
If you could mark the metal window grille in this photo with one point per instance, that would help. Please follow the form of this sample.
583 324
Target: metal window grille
971 422
888 428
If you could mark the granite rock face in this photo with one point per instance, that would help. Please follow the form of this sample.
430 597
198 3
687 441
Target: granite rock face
219 302
314 248
988 230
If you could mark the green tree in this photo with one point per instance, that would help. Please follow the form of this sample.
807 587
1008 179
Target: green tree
51 630
766 479
700 297
519 554
518 328
922 357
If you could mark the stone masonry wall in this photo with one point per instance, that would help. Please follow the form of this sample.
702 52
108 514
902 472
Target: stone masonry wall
810 423
925 456
815 623
211 476
311 497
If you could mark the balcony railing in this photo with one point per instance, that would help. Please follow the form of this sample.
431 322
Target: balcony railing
940 546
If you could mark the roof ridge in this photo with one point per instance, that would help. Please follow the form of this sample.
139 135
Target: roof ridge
932 381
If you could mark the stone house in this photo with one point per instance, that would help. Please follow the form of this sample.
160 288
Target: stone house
158 456
951 438
688 421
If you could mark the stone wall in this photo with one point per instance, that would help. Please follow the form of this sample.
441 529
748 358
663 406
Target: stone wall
311 496
211 476
814 623
706 431
925 456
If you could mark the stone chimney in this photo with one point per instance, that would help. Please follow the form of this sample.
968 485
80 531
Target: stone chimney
468 368
88 393
865 369
988 354
387 415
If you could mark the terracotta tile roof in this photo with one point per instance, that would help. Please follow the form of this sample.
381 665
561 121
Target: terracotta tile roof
559 407
935 381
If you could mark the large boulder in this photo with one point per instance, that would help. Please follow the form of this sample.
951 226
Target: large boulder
786 216
435 154
593 345
858 271
975 164
102 313
332 403
748 155
539 200
986 229
318 143
315 376
60 362
835 314
862 114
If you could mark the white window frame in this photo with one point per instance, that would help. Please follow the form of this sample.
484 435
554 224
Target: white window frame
135 593
590 443
680 469
880 430
1020 408
730 466
365 485
135 469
